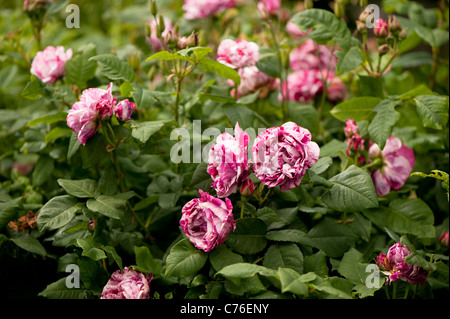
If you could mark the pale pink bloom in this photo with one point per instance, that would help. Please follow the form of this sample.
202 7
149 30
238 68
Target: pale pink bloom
199 9
294 31
310 55
302 85
252 79
398 163
394 266
269 6
49 65
124 109
84 117
238 54
282 155
129 284
381 28
228 162
153 40
336 89
207 221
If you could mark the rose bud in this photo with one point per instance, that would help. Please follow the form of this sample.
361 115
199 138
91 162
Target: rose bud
124 109
381 29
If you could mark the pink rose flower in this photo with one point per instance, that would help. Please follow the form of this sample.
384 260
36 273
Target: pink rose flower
393 265
282 155
49 65
207 221
84 117
336 89
310 55
228 162
124 109
294 31
238 54
398 163
252 79
269 6
129 284
381 28
199 9
302 85
153 40
355 143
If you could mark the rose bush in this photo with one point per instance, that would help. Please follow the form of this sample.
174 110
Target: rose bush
224 149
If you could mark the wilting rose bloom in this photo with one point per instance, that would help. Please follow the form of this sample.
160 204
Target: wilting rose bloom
253 79
302 85
310 55
269 6
228 162
129 284
381 28
237 54
398 163
444 239
198 9
207 221
84 117
282 155
393 265
336 89
294 31
49 65
153 40
124 109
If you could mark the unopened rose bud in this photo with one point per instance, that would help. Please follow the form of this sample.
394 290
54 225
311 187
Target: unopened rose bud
153 8
192 40
161 24
361 26
182 43
363 16
381 29
394 25
134 59
148 30
383 49
403 34
444 239
308 4
247 188
339 10
91 225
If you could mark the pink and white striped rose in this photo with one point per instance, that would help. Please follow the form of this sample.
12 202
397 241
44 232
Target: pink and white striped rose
129 284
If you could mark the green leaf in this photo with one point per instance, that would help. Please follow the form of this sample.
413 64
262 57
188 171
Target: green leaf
238 271
144 130
90 249
43 170
145 262
349 57
8 211
184 260
249 236
222 256
168 56
285 256
84 188
49 119
112 251
405 216
333 238
292 281
358 108
220 69
434 37
201 179
29 243
322 165
324 24
352 191
107 205
334 287
33 89
80 69
239 114
57 212
432 110
332 148
114 68
59 290
316 263
267 214
288 235
380 128
269 65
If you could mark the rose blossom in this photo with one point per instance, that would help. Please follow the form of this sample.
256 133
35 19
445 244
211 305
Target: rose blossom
269 6
129 284
282 155
228 162
198 9
336 89
124 109
310 55
302 85
294 31
237 54
393 264
207 221
381 28
253 79
398 162
153 40
49 65
85 116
